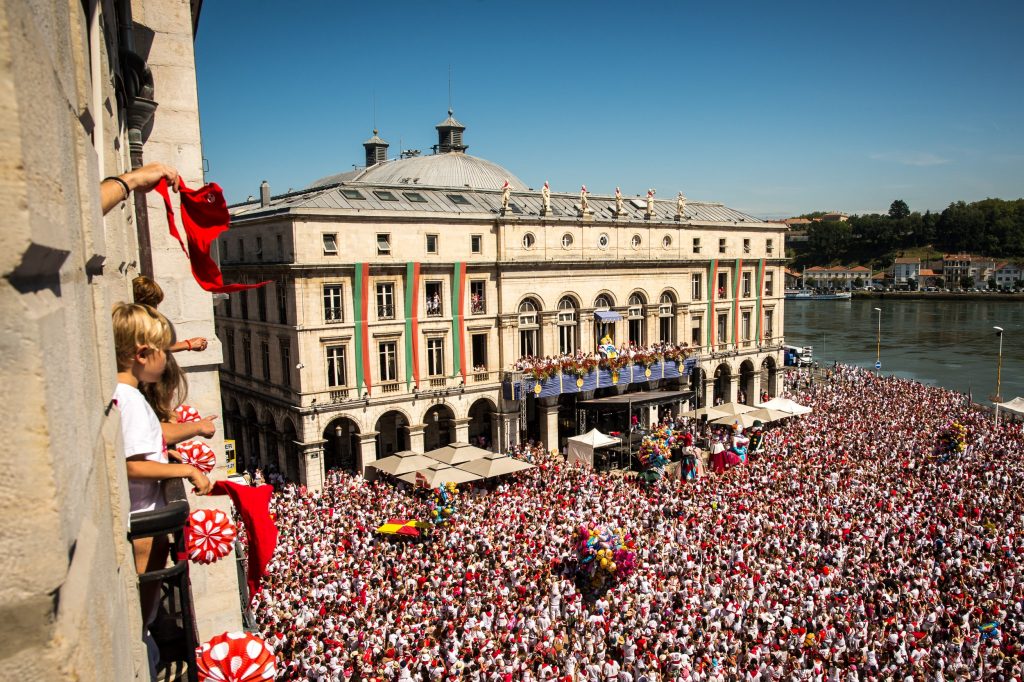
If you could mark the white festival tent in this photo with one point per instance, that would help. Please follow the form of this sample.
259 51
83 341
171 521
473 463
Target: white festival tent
786 405
581 448
1016 406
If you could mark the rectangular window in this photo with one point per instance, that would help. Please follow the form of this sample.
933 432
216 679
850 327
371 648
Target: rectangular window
696 337
723 285
280 248
696 245
769 246
384 195
259 248
458 199
243 296
228 306
286 362
435 357
567 331
282 302
432 243
769 283
746 246
435 306
241 249
477 300
388 351
769 324
261 303
746 284
745 325
723 327
352 194
721 245
383 244
330 244
479 352
696 286
386 301
665 329
265 359
232 365
247 354
415 197
336 367
476 244
334 311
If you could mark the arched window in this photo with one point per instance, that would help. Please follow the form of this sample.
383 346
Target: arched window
604 329
635 314
667 318
602 302
528 328
567 321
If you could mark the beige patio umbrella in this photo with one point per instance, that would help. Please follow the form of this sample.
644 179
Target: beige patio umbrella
745 420
711 412
457 453
767 414
734 408
402 463
495 466
432 478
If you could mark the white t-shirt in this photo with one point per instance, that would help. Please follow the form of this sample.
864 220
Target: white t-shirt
141 433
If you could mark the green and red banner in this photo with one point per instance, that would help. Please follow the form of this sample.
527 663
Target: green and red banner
712 283
459 318
360 307
760 299
412 326
736 301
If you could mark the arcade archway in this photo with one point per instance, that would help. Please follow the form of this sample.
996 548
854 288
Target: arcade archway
341 449
723 384
747 394
440 425
392 433
480 420
769 377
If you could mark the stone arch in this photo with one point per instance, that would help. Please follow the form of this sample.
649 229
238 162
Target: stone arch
341 449
481 421
392 429
671 293
535 299
748 384
439 430
609 296
723 378
770 377
291 467
637 295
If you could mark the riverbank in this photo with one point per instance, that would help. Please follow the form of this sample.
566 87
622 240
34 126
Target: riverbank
939 295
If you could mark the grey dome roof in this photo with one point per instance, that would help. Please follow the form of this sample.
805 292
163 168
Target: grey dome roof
452 169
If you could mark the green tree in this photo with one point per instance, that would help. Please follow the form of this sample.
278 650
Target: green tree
898 210
828 242
991 282
966 282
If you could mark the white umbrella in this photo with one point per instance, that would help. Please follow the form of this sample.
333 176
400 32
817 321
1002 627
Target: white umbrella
767 414
495 466
745 420
786 405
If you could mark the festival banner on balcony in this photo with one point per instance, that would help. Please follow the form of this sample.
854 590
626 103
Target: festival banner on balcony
760 298
459 318
412 326
712 277
360 305
737 276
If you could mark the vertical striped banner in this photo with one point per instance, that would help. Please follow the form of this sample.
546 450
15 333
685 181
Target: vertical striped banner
736 302
412 325
459 318
712 288
360 306
760 300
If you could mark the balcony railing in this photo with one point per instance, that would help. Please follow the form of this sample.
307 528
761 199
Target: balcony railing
385 312
175 631
390 388
434 308
339 395
334 315
478 306
438 382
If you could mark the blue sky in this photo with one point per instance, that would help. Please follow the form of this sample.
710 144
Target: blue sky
772 108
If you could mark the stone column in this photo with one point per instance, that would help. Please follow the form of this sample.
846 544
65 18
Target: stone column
734 381
548 333
755 389
367 450
709 392
496 433
461 427
416 437
311 472
549 426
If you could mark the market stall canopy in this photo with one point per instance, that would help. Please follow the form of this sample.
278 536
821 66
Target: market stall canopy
1016 406
410 528
499 465
457 453
786 405
432 478
767 414
581 448
402 463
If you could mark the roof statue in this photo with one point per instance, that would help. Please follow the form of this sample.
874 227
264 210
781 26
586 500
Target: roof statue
650 203
506 194
545 198
618 202
584 202
680 206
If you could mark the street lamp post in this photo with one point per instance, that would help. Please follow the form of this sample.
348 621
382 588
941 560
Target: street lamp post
997 398
878 343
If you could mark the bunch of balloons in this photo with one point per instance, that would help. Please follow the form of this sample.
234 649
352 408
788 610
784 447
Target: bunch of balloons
654 454
444 496
953 439
604 556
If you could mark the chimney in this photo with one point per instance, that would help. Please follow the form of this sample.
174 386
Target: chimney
264 193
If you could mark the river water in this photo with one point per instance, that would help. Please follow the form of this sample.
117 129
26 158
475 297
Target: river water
945 343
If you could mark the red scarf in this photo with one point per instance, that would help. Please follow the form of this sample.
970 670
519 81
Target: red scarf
204 215
253 504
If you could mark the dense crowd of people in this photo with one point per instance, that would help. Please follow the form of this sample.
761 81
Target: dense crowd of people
852 548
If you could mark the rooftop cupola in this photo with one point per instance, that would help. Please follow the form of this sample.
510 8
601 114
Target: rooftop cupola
449 135
376 150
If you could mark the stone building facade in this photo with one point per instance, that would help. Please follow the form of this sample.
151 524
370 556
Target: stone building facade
401 294
69 595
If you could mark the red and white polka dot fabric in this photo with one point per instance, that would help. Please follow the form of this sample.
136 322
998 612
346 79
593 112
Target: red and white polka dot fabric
187 413
211 535
198 454
235 657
